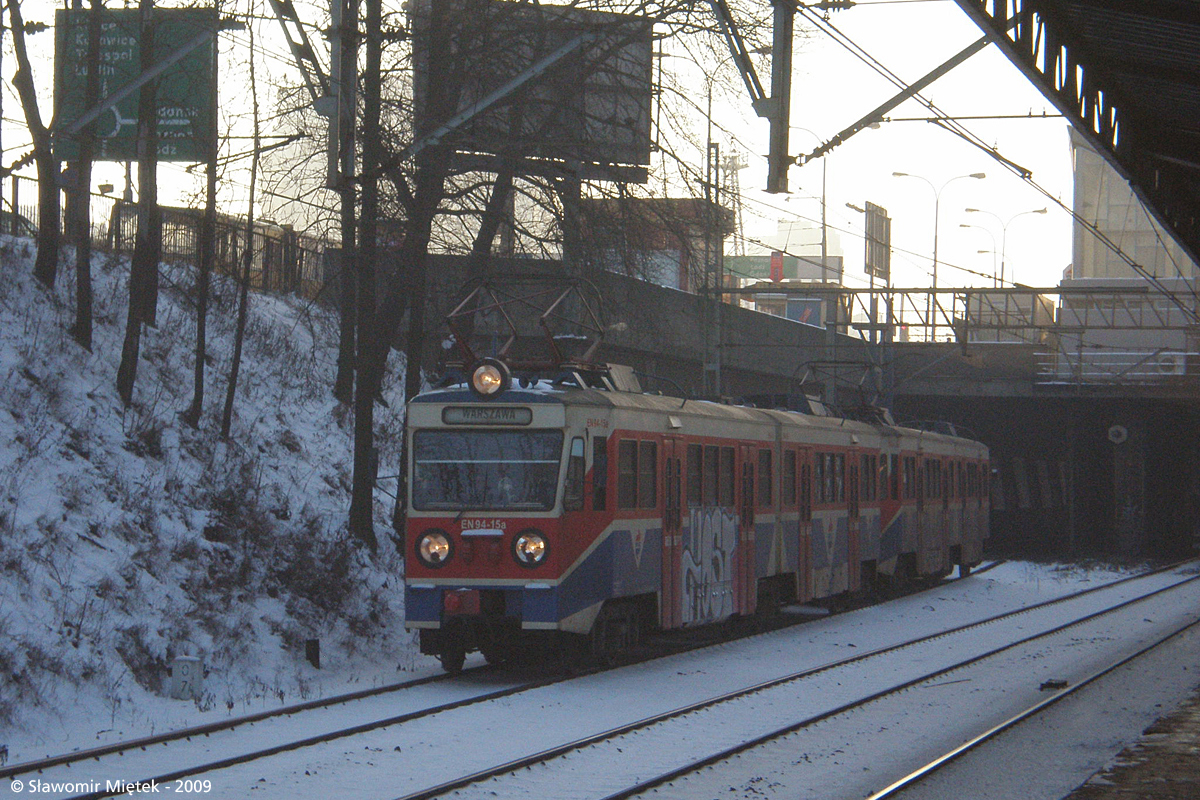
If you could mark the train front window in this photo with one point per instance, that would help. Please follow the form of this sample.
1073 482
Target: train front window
483 469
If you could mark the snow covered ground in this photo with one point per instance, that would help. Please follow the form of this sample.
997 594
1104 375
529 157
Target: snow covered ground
392 762
128 538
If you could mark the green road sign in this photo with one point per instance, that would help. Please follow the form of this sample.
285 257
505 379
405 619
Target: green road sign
185 98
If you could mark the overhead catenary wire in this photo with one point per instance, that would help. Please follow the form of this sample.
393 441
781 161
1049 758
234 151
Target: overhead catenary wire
949 123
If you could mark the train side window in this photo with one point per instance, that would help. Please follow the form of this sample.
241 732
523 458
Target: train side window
894 475
711 473
627 474
839 473
805 491
865 478
765 477
727 477
599 473
694 473
789 477
819 476
573 488
647 471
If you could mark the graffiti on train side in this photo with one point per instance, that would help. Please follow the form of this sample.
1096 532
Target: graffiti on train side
707 564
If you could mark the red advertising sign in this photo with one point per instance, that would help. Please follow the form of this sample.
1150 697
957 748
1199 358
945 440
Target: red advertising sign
777 266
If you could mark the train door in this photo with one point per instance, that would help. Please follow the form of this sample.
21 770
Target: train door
943 526
854 550
919 476
744 583
804 592
672 534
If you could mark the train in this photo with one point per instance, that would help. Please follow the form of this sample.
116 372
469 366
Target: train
583 512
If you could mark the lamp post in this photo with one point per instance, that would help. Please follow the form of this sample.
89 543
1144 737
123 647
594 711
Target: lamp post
991 236
1004 231
937 205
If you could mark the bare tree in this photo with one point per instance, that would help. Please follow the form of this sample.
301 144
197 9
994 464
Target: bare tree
208 242
444 203
45 267
365 467
80 191
143 270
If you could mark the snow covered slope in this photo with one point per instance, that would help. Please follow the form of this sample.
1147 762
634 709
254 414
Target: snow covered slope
127 537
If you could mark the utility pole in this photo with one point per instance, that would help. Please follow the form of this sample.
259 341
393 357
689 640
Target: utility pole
365 462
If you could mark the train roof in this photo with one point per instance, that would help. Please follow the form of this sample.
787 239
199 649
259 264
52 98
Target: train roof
545 392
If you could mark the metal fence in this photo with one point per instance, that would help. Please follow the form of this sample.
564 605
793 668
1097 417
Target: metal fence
282 260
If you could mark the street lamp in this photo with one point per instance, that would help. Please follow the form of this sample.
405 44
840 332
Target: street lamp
991 236
993 252
937 203
1004 230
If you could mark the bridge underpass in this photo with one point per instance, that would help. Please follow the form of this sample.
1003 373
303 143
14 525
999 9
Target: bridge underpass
1090 459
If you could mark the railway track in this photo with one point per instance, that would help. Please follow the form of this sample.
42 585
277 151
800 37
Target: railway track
187 734
244 755
899 787
486 781
194 731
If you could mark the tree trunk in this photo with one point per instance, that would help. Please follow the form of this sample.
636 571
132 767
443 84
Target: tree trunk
247 259
144 262
45 267
81 330
208 246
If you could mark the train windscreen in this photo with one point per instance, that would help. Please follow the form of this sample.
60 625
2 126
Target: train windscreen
485 469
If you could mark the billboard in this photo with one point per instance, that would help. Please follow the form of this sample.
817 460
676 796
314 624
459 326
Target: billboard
592 105
879 243
807 310
185 97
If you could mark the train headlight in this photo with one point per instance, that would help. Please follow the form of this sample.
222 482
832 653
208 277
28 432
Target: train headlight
434 548
490 377
530 548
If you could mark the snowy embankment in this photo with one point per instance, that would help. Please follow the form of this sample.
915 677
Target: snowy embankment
128 538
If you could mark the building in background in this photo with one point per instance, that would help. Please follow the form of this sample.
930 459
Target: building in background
673 242
1140 333
1106 200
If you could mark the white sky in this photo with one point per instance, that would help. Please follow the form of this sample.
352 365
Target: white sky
831 89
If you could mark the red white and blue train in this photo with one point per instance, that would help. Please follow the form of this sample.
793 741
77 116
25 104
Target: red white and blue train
559 512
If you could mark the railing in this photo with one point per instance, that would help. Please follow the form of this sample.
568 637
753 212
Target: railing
1158 366
282 260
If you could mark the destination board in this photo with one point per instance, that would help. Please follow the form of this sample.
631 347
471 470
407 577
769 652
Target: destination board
486 415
